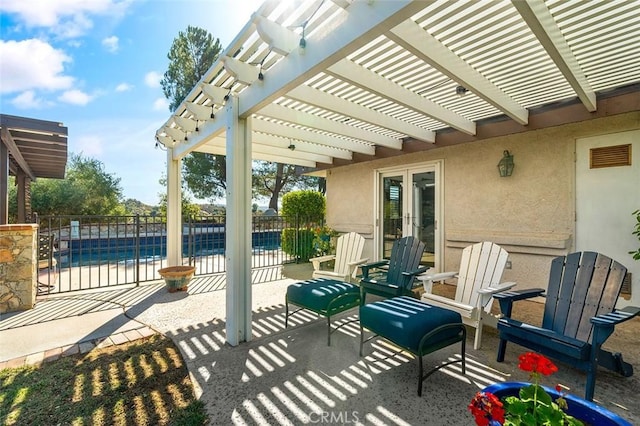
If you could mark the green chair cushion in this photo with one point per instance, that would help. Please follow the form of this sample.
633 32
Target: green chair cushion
404 321
316 294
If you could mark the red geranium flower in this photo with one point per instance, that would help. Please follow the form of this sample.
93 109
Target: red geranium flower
536 363
486 408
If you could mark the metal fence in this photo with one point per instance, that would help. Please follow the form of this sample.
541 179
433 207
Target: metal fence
100 251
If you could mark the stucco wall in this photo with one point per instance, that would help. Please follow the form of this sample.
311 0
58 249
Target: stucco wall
531 213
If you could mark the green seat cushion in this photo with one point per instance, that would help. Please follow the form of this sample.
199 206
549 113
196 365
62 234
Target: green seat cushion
316 294
404 321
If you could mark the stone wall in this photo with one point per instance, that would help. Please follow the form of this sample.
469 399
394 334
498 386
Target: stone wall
18 267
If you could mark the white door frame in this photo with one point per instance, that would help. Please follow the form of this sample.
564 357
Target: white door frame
407 171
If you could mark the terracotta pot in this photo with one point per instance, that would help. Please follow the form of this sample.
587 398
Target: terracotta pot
583 410
177 277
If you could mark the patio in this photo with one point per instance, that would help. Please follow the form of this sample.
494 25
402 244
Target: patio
290 376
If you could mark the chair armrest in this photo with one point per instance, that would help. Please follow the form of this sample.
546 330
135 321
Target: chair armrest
408 276
358 262
506 298
428 279
500 288
617 316
437 277
486 294
415 272
316 261
520 294
365 268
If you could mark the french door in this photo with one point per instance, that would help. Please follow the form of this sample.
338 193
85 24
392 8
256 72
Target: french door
408 203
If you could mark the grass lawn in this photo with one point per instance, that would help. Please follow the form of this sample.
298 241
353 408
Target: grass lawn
141 383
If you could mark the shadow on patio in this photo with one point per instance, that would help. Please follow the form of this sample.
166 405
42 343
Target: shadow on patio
289 376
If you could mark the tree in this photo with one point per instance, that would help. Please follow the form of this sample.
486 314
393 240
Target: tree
192 53
272 179
88 189
205 174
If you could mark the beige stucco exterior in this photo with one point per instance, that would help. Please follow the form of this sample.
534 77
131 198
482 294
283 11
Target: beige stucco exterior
531 214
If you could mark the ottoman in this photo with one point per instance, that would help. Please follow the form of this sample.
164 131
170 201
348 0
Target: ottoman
323 296
414 326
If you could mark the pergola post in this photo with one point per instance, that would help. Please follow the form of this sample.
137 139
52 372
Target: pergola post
21 181
238 225
174 210
4 183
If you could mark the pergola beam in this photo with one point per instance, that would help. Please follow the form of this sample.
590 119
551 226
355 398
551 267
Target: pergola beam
324 100
537 16
8 141
415 39
368 80
311 136
291 115
362 21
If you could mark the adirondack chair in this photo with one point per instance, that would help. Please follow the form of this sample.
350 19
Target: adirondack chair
395 276
579 315
347 258
479 277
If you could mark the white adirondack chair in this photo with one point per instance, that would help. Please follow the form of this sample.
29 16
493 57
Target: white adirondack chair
479 277
347 258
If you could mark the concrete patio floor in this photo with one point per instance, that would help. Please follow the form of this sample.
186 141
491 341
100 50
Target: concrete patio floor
290 376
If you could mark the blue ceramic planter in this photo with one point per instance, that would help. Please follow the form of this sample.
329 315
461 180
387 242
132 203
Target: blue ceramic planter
586 411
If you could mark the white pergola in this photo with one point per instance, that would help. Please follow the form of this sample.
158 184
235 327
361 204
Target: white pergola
321 83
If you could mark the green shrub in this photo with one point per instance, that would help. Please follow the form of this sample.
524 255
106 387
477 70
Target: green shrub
310 205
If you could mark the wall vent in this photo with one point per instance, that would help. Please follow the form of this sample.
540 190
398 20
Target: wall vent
610 156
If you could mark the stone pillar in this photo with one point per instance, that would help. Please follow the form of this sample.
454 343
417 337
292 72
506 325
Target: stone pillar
18 267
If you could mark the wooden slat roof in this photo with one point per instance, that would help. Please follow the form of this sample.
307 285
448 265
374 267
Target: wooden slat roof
38 147
380 78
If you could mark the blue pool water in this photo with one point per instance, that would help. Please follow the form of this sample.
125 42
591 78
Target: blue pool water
99 251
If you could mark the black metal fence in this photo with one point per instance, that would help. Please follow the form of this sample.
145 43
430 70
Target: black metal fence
100 251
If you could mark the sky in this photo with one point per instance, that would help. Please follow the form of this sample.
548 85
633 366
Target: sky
96 66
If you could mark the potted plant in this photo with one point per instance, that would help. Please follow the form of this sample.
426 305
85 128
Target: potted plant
177 277
519 403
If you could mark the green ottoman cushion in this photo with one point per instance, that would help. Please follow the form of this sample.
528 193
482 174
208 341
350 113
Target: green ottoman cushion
316 294
405 320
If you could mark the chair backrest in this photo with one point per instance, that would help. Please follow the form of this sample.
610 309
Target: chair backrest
481 266
45 246
581 285
349 248
406 254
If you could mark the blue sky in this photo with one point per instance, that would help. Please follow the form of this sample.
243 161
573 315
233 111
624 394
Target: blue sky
95 66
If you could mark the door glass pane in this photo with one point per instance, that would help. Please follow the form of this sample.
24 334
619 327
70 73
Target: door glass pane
423 222
391 212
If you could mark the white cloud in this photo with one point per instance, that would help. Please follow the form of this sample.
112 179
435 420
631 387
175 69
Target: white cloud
111 44
66 18
28 100
123 87
75 97
152 79
32 64
161 104
89 145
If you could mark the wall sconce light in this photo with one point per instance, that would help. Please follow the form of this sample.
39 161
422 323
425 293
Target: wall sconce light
461 91
292 147
505 166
